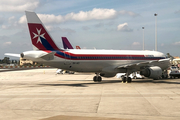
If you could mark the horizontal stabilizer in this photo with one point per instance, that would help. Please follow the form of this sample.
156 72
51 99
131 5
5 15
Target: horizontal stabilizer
12 54
49 56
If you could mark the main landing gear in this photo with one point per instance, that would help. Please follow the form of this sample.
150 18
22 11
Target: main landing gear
126 80
97 78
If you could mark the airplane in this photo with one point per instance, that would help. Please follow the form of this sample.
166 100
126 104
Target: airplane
67 44
77 47
104 63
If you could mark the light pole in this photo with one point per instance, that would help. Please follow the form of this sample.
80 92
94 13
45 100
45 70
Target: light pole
155 31
143 37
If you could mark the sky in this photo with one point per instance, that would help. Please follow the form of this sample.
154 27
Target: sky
100 24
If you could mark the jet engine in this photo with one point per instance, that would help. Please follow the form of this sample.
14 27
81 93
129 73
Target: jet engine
152 72
107 74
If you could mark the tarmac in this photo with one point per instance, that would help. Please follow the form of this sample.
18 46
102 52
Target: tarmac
39 94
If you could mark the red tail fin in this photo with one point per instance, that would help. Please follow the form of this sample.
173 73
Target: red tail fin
77 47
40 38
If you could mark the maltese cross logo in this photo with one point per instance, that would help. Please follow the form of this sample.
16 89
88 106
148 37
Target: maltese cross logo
38 35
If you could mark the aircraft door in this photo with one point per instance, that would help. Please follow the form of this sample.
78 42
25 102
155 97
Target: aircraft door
129 58
67 58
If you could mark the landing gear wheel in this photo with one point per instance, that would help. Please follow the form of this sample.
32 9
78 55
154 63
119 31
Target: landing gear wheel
123 79
126 80
97 79
129 80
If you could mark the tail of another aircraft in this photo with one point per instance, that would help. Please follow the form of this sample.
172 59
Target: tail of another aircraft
40 38
77 47
66 43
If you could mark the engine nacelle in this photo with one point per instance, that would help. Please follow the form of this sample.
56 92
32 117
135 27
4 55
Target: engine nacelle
107 74
152 72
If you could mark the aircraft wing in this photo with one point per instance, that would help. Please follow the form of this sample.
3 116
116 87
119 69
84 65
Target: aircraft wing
143 64
12 54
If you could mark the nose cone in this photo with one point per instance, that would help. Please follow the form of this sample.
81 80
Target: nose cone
160 54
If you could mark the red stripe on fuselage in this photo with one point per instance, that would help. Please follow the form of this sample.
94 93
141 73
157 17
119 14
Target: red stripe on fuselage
101 56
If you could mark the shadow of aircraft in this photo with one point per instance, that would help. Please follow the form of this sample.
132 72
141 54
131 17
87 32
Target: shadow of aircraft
82 84
163 81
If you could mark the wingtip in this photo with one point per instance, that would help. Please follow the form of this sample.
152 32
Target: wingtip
12 54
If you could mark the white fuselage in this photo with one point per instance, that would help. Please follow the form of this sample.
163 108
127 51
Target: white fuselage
95 60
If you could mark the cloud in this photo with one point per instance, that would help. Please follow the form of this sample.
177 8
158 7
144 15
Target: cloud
85 28
22 20
124 12
11 23
4 37
6 43
63 30
124 28
177 12
3 26
67 30
99 25
51 18
18 5
94 14
46 18
1 20
11 19
176 43
136 44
